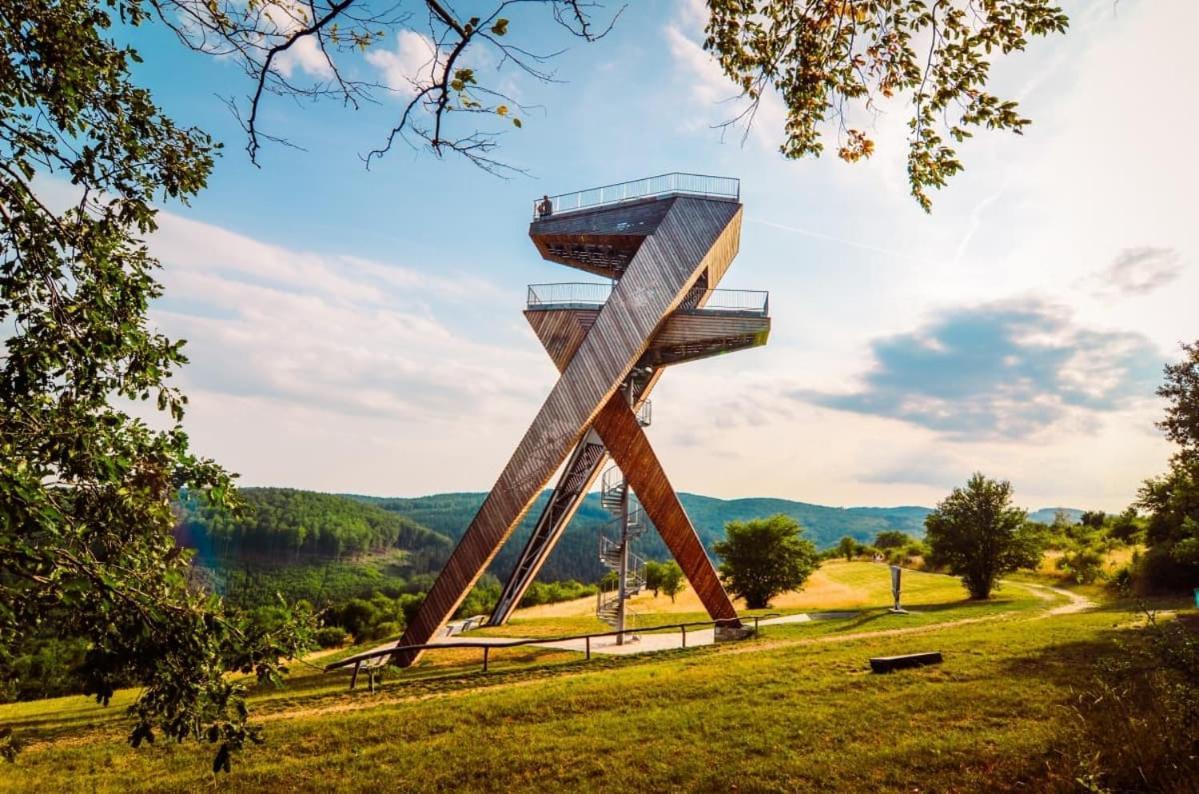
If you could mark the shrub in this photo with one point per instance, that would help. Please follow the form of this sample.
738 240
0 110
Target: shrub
1159 571
330 637
848 547
1083 563
555 592
892 539
1141 711
357 616
383 631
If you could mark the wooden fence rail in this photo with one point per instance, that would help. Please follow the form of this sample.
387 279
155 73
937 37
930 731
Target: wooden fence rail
357 661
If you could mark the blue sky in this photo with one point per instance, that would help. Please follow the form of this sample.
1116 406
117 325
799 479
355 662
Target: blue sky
355 330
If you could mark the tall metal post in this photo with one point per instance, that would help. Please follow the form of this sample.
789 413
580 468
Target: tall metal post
623 582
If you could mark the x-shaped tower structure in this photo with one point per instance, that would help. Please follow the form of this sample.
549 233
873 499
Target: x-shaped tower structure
664 243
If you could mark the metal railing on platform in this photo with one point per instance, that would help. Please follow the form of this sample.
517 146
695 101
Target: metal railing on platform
722 187
587 295
742 301
357 661
569 295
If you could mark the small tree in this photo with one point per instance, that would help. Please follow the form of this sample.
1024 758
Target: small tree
653 576
978 535
764 557
1171 501
848 547
672 580
892 539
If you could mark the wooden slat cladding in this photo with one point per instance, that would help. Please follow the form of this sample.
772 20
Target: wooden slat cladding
692 238
561 331
683 337
719 264
630 449
566 517
551 525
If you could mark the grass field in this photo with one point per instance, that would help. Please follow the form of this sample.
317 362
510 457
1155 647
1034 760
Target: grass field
793 709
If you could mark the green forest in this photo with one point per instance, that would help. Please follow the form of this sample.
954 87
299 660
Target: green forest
574 557
325 548
284 523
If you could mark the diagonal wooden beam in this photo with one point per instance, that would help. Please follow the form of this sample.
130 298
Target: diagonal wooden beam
695 237
626 442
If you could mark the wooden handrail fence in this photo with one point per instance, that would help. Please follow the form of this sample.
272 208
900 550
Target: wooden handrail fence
358 661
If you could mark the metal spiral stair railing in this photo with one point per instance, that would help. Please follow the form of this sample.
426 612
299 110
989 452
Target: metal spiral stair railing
630 523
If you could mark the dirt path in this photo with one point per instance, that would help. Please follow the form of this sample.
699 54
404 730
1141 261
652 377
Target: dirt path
1075 602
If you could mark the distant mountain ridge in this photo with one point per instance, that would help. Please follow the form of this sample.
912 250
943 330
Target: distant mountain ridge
289 527
575 555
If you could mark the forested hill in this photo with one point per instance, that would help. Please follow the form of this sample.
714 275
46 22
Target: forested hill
284 526
575 555
284 523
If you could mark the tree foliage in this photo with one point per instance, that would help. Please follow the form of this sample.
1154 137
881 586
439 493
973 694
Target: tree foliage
763 557
892 539
1172 500
1181 391
848 547
555 592
451 106
834 65
86 549
284 522
672 581
979 535
828 59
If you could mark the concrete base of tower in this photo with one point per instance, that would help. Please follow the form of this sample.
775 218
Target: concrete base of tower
730 633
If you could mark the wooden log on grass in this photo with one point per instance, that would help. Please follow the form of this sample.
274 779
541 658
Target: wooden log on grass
885 664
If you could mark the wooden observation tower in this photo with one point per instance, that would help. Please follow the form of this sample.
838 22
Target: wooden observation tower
663 243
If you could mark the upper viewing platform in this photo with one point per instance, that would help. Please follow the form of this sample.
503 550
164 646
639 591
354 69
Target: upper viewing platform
600 230
673 184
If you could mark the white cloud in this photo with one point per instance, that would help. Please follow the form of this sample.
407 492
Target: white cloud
347 334
718 97
298 350
305 54
1137 271
410 63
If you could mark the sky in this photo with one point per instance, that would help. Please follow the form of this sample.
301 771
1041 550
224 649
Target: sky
356 330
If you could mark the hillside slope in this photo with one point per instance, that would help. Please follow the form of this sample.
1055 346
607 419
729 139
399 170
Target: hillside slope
575 557
289 527
302 544
286 522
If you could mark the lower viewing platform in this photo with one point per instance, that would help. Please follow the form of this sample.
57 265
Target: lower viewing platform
709 322
593 295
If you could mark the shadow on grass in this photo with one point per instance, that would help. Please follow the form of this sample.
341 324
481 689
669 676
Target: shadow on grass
966 606
1067 664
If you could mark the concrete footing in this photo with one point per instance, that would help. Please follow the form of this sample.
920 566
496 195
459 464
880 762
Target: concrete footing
730 633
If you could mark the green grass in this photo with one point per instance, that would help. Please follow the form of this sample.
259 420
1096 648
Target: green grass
793 709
